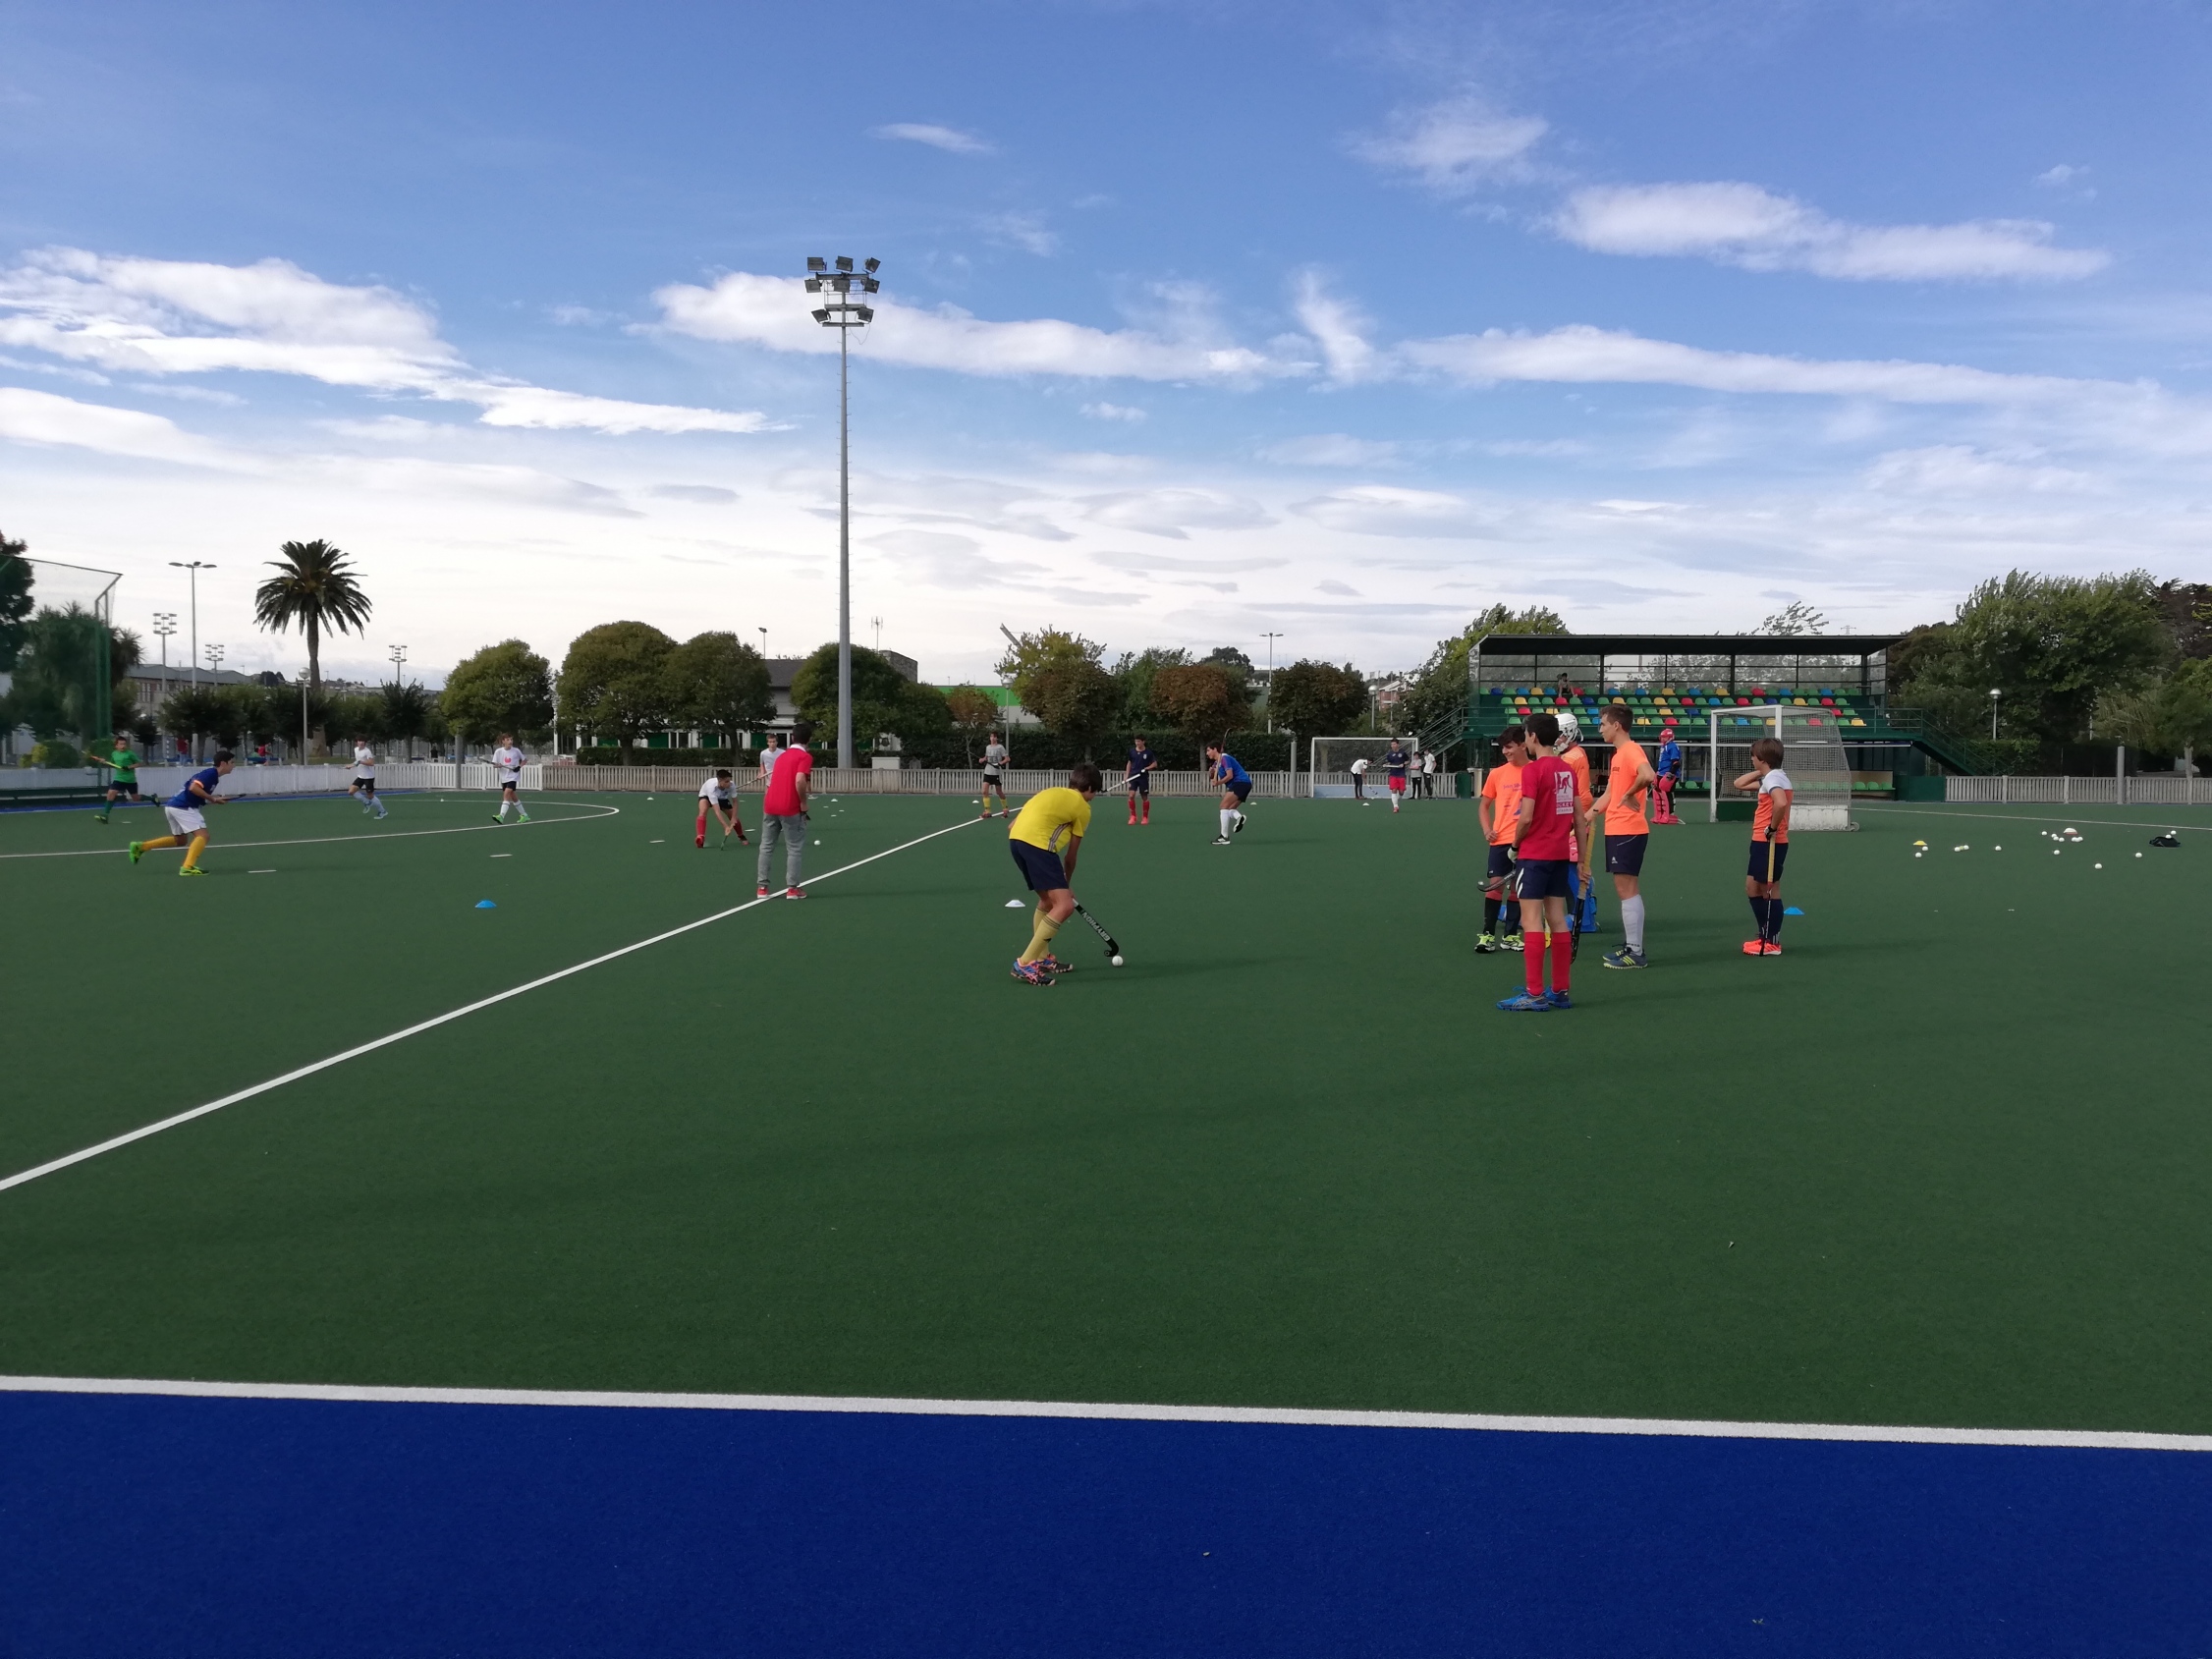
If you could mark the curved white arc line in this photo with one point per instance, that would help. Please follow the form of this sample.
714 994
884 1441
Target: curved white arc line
390 1037
593 807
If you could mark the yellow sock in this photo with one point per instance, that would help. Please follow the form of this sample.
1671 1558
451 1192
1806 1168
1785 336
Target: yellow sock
192 853
161 841
1041 940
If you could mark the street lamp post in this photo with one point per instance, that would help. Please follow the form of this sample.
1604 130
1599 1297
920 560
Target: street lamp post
1271 638
1994 695
844 314
194 567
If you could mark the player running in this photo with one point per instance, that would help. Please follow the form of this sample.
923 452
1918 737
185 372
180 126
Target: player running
1044 841
719 796
1139 780
1396 760
1235 789
1627 785
1668 778
1499 808
122 762
1554 811
995 758
364 780
1770 844
509 759
187 814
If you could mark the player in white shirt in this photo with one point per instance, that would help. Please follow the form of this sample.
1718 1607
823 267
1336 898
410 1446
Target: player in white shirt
719 796
1359 778
364 780
509 759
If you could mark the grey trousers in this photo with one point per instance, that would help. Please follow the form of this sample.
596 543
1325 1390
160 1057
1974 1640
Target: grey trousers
791 826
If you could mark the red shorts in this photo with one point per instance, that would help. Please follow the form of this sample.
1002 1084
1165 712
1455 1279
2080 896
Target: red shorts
1398 786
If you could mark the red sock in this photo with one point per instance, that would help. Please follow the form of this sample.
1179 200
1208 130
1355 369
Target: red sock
1533 957
1563 953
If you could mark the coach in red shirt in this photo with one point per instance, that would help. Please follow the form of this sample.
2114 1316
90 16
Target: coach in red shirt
783 812
1554 813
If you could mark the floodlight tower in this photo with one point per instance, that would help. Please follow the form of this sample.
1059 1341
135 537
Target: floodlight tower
193 567
844 314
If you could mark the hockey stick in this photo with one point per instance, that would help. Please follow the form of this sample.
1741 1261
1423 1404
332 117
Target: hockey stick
1112 950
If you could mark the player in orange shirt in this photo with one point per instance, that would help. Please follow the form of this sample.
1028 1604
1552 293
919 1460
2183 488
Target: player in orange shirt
1770 843
1581 898
1499 807
1627 785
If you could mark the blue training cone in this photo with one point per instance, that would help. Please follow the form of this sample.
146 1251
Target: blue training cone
485 905
1791 909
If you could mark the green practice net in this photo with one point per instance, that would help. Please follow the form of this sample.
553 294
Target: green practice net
57 661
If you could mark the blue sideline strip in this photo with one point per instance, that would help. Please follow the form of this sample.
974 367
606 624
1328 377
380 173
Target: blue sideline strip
137 1524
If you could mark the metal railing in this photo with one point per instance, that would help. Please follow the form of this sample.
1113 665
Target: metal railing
2142 790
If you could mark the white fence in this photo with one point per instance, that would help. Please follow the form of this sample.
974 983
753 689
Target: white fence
160 782
2155 789
921 780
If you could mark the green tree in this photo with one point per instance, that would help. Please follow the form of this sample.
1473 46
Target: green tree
973 715
502 687
2171 716
1794 618
1238 666
1076 698
1198 698
879 693
1317 699
314 588
2052 646
356 715
15 598
193 712
720 685
923 714
1136 673
406 714
615 682
1031 654
61 675
1440 686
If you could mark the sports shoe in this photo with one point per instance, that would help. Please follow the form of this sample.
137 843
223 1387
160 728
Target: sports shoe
1558 999
761 893
99 817
499 819
137 850
1238 828
1053 965
1522 1003
698 840
1770 949
1485 944
1031 973
1221 841
1755 947
190 869
1512 943
1622 958
520 816
794 892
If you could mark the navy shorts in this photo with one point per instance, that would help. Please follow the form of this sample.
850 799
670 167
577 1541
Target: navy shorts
1042 870
1624 853
1547 878
1757 868
1242 789
1501 861
1142 784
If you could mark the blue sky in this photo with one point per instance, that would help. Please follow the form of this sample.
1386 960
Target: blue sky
1200 321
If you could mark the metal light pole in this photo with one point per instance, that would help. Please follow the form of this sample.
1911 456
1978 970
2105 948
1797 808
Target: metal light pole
398 654
1271 638
194 567
844 314
1994 695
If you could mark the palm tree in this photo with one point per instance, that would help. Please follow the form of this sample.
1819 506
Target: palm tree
313 587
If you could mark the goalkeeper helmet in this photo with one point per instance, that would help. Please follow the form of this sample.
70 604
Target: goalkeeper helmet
1569 731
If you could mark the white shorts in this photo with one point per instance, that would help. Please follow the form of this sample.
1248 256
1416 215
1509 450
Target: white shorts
186 820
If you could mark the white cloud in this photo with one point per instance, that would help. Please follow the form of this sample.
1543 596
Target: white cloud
936 137
2066 177
1330 449
1340 329
166 317
1173 513
1740 224
41 418
1141 562
775 311
1384 509
711 495
1962 469
1456 145
1113 412
1025 230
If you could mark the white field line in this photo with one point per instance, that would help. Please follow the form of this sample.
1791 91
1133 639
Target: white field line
21 1176
2077 821
592 806
2113 1440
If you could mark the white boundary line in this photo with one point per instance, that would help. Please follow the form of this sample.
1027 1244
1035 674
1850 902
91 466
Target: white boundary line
596 810
21 1176
2109 1440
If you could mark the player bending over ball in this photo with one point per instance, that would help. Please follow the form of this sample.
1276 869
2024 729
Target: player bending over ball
509 759
122 762
1044 841
364 780
1235 789
995 758
1139 779
1499 808
1627 785
188 818
1553 813
1770 844
719 796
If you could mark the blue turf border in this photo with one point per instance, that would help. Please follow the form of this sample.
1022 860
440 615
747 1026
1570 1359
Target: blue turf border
135 1525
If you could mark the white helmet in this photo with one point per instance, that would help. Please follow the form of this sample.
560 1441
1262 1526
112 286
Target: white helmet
1569 731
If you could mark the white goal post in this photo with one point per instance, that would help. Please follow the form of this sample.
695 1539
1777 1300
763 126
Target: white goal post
1328 771
1812 754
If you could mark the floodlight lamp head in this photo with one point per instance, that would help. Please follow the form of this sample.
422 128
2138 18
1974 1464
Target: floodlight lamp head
844 262
868 285
815 263
866 313
813 285
822 315
871 266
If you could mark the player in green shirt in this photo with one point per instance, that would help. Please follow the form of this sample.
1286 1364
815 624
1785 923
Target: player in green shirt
123 761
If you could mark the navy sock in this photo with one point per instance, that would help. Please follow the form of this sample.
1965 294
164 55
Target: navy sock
1758 918
1490 909
1773 918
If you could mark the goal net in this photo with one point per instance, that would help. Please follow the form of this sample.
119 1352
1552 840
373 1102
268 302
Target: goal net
58 665
1812 754
1332 762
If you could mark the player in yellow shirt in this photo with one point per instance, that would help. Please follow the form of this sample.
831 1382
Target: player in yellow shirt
1044 839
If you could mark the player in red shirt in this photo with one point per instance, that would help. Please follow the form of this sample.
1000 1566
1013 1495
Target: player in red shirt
1554 814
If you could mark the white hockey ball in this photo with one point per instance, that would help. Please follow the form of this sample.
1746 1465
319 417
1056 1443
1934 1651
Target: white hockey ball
1117 961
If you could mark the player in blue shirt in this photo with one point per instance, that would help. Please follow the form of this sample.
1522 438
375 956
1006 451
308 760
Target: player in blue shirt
1138 781
1235 787
188 819
1669 779
1396 759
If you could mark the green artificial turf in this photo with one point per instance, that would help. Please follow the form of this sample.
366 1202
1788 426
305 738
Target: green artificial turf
1945 1161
